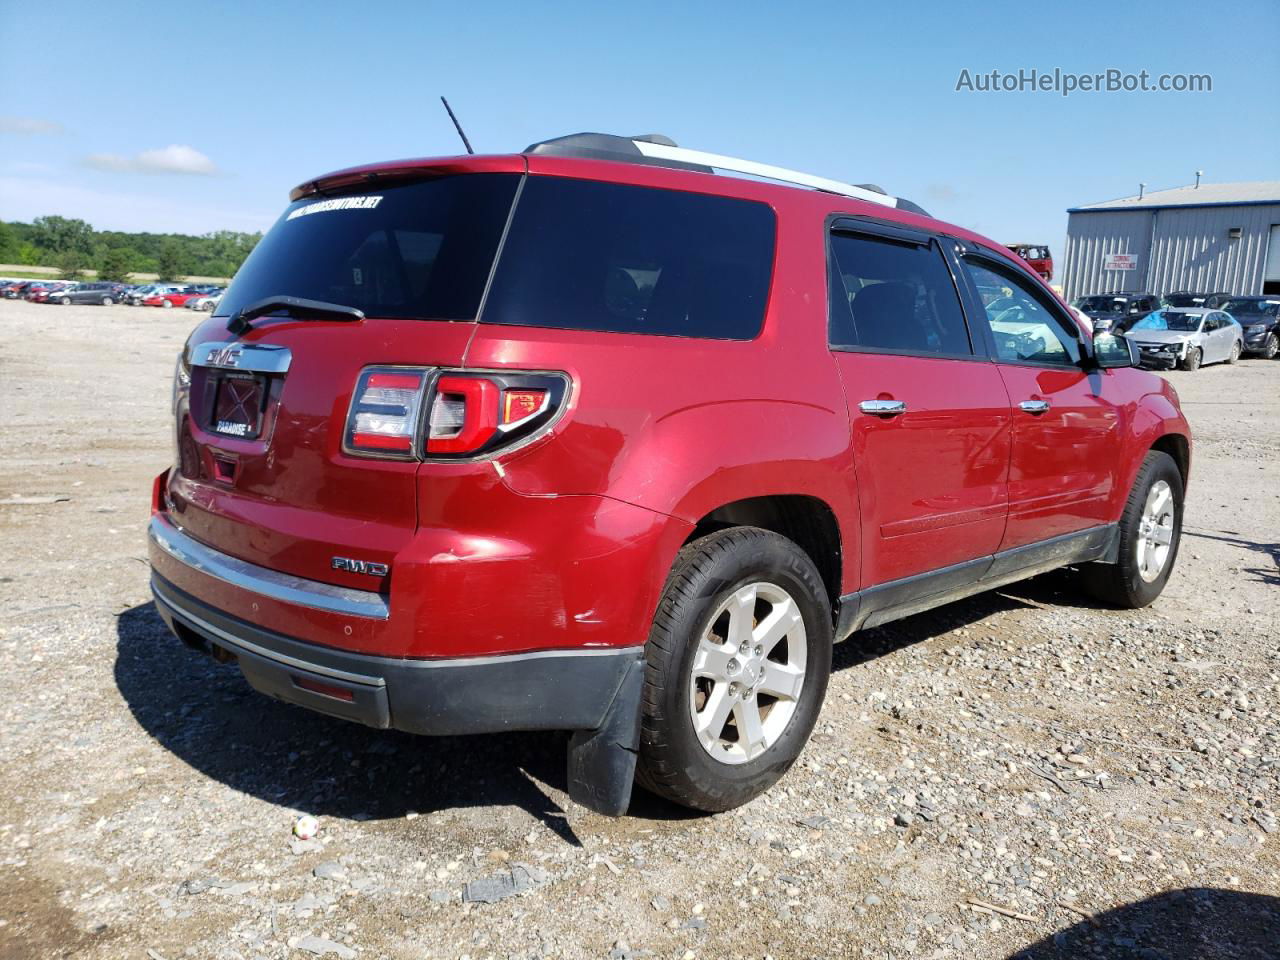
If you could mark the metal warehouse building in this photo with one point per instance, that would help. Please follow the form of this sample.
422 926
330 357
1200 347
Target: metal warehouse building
1211 237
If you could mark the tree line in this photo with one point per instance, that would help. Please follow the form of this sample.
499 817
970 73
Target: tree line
73 245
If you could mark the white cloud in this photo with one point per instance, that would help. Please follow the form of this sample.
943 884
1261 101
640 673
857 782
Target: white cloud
175 158
24 198
29 126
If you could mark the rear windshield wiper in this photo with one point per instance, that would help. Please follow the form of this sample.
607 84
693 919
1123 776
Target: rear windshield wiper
294 307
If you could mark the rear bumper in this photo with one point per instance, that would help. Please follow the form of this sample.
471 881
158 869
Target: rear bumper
549 690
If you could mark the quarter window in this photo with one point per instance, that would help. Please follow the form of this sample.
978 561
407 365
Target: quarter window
893 296
1022 326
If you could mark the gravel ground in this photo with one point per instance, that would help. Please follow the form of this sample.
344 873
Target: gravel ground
1110 781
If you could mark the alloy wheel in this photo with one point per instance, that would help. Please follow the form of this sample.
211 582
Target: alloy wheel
1155 531
748 673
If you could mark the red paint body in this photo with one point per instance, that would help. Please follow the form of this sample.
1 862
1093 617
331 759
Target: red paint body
566 542
175 299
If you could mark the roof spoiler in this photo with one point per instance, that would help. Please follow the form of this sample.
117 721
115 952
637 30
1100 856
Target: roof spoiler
657 150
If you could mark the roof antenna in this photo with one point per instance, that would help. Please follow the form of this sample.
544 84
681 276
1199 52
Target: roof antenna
457 126
1142 188
1199 174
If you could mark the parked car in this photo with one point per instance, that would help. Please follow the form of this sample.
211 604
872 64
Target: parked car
48 292
138 294
17 290
626 496
1037 256
1187 298
205 302
1117 312
98 292
171 298
1259 317
1188 338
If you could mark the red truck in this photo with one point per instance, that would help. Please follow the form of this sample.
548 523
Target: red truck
1037 256
592 437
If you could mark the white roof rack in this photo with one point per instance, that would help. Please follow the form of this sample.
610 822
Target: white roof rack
660 151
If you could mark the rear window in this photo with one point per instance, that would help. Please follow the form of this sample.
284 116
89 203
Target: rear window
421 250
582 255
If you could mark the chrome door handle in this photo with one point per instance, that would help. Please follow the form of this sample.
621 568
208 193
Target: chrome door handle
883 408
1034 406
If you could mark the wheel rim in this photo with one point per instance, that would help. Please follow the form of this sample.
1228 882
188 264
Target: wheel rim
1272 346
748 673
1155 531
1235 352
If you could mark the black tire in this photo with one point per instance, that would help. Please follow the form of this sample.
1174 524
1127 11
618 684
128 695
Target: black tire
1121 584
1271 347
1191 362
673 763
1236 350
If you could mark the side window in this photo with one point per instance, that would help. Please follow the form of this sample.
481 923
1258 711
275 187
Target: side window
1211 323
1023 327
893 296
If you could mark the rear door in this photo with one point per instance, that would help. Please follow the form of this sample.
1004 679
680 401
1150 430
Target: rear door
1224 335
929 414
1066 426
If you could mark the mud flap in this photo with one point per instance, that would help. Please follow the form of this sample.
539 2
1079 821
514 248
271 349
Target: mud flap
602 762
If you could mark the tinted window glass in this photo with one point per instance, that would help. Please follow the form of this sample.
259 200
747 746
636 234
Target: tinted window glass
1025 330
420 250
893 296
601 256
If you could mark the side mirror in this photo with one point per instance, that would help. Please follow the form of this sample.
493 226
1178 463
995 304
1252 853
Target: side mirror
1112 351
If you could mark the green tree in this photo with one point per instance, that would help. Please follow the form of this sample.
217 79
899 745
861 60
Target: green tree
10 248
69 264
115 264
59 235
173 261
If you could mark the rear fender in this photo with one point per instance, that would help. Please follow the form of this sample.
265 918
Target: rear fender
690 461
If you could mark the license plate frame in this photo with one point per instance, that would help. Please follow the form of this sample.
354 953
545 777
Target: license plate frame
239 403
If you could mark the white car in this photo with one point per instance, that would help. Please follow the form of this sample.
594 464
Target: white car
1187 338
207 303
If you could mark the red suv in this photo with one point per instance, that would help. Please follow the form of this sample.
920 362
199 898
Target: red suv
595 438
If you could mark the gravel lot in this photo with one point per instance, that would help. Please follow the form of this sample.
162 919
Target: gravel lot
1111 778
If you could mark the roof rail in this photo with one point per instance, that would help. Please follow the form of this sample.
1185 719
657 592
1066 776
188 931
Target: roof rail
655 148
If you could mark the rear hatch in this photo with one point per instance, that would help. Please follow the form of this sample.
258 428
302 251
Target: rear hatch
261 472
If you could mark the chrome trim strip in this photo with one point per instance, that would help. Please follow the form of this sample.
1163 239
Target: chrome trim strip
269 583
239 642
517 657
253 357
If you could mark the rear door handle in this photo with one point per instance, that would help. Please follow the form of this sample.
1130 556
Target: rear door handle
1035 406
883 408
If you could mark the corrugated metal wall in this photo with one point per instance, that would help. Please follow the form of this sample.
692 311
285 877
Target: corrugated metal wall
1189 249
1090 237
1193 252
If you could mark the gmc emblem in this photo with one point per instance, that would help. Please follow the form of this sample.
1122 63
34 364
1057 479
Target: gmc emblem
223 357
361 566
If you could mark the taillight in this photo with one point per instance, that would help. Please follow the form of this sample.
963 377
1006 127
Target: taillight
181 380
467 414
478 413
384 415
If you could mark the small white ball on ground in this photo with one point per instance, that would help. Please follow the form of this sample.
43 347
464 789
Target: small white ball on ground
306 827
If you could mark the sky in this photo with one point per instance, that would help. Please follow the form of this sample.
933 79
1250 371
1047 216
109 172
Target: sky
175 116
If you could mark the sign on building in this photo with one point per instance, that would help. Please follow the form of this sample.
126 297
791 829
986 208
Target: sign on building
1119 261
